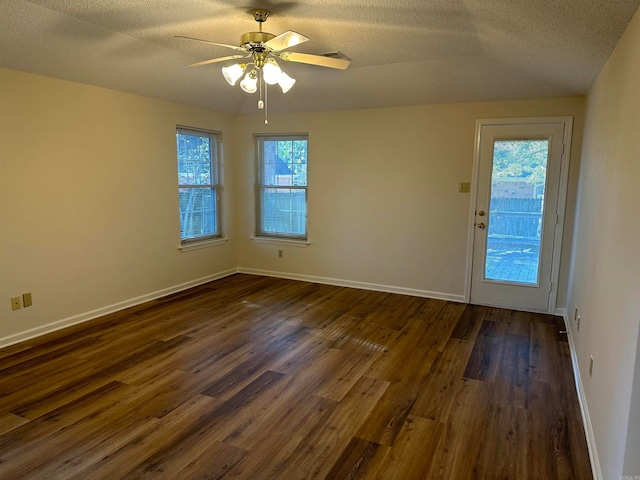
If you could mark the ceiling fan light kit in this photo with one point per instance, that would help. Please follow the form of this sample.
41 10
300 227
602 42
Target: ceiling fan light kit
233 72
262 48
250 82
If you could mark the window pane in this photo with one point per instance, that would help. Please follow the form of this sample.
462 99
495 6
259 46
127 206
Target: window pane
284 211
198 210
194 160
515 212
284 162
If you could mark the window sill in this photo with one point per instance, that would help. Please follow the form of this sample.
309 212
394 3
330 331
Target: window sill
212 242
282 241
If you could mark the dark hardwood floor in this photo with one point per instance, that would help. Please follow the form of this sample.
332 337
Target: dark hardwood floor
251 377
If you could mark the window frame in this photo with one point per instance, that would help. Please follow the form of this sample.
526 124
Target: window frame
215 185
260 186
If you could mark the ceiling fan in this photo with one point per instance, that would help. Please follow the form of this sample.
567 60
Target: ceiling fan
263 45
262 49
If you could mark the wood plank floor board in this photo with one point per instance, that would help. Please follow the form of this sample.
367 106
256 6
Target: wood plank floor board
484 360
124 455
39 388
402 357
469 323
276 421
78 387
441 326
406 458
507 433
545 432
38 377
202 433
9 421
47 458
348 368
14 349
283 435
544 355
213 464
313 458
252 363
458 453
253 378
32 358
443 383
389 415
512 377
28 446
229 341
361 335
361 459
399 309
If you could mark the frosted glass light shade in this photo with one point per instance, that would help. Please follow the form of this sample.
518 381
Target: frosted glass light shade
233 73
271 72
250 82
286 82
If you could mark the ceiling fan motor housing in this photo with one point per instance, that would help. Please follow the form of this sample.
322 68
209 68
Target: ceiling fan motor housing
254 41
255 38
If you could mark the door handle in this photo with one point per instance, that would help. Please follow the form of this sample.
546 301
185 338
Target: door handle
481 226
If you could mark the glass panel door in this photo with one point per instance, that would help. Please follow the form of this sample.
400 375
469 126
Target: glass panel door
515 219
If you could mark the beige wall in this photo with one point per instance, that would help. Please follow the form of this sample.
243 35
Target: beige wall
605 272
384 207
88 201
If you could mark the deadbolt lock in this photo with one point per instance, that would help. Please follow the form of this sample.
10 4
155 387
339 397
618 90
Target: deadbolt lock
481 213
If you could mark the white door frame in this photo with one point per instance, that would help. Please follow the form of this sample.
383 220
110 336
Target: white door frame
562 197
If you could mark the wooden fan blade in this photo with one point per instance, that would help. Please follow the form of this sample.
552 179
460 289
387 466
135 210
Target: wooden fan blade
215 60
315 60
212 43
286 40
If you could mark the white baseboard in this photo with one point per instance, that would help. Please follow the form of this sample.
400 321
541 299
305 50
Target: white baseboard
84 317
584 409
354 284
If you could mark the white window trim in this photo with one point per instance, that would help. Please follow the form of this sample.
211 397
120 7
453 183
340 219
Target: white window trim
263 237
195 243
282 241
210 242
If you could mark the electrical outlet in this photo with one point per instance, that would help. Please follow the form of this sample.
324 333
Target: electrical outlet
27 300
590 365
578 322
280 253
464 187
15 303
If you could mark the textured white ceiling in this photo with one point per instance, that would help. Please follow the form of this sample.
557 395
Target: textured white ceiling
405 52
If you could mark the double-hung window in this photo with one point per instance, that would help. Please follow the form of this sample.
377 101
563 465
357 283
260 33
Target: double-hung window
281 186
199 186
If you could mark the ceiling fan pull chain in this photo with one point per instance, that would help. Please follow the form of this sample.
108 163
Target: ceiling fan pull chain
266 120
260 82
